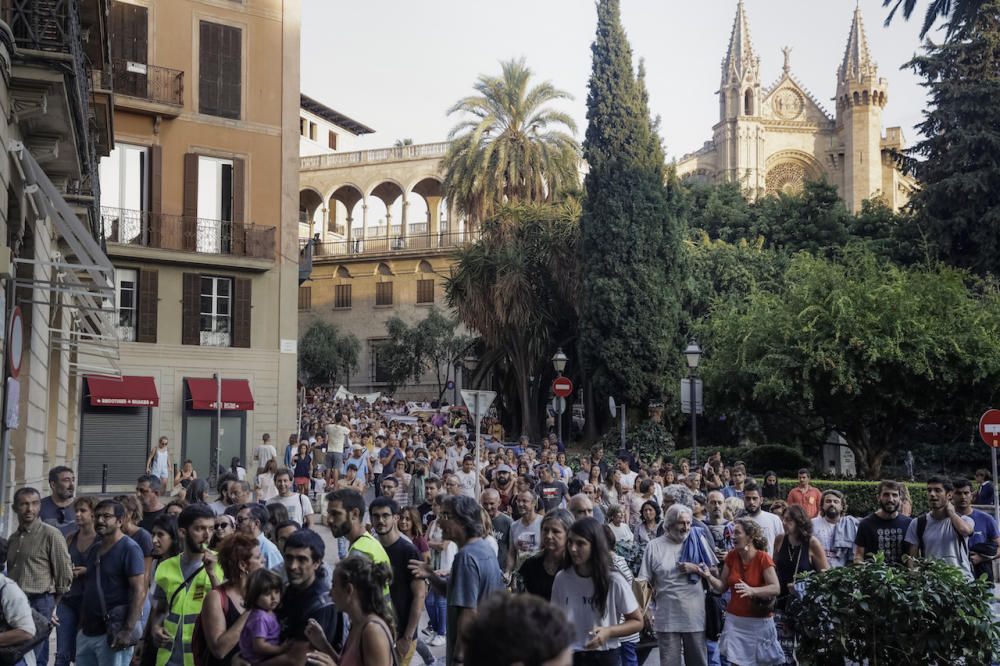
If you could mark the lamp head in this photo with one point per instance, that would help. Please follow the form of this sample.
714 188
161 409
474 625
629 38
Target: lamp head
693 354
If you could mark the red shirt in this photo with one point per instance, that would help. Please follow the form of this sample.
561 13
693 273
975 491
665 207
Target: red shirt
807 499
752 574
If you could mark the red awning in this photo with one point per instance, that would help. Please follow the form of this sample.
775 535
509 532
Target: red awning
122 391
235 393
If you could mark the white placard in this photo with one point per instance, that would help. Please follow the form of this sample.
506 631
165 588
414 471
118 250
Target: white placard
289 346
135 67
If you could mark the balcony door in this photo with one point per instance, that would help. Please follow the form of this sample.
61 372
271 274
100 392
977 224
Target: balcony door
215 204
129 49
125 193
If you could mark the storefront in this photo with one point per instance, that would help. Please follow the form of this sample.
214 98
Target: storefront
115 427
201 424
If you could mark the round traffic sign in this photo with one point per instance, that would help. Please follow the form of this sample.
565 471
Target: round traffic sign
989 427
562 387
15 342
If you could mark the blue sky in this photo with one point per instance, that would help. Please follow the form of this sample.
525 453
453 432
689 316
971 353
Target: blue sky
397 65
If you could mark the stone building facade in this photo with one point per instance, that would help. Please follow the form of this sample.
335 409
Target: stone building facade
774 138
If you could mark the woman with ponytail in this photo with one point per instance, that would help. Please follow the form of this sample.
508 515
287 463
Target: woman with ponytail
749 637
594 596
358 590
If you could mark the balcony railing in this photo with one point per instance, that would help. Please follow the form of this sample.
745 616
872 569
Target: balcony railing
383 245
394 154
188 234
152 83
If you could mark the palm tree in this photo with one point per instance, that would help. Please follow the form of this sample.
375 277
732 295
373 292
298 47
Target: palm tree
516 287
403 142
511 147
960 13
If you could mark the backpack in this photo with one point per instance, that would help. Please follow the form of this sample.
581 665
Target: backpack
963 543
12 654
199 646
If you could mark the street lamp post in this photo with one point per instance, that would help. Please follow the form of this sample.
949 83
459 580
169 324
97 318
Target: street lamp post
693 356
559 363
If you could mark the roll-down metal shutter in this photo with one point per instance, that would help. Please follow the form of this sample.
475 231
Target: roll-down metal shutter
118 436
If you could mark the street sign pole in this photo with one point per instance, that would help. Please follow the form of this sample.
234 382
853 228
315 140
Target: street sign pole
478 403
996 497
989 431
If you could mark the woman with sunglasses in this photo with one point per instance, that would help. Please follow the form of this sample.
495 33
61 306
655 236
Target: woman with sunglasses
594 596
225 525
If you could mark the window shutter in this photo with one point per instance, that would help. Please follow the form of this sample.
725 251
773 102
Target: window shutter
220 70
191 310
189 222
155 213
241 312
129 43
239 247
148 305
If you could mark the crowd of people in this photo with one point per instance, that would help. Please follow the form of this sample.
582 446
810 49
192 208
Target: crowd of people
511 557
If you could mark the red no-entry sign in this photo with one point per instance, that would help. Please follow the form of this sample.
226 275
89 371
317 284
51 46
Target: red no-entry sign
989 427
562 387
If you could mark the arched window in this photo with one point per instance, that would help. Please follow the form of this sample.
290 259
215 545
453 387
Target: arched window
748 103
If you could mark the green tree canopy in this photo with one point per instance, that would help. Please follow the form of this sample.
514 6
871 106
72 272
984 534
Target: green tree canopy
860 347
511 146
430 345
326 356
632 260
958 161
516 288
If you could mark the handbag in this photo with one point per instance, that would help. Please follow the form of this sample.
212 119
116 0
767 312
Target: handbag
115 617
12 654
715 615
761 606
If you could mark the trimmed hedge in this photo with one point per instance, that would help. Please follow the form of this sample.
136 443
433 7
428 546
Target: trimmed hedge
784 460
861 496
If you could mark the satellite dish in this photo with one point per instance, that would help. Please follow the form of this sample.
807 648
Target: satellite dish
612 406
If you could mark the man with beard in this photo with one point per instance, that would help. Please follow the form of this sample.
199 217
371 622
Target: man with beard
525 533
985 528
115 578
503 483
501 522
182 582
769 523
941 533
432 486
345 512
682 629
406 591
883 531
719 528
148 489
834 529
57 509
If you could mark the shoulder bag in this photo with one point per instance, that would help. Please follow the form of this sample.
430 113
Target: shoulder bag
115 617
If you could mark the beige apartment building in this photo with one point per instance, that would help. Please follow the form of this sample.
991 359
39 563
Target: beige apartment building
56 281
199 211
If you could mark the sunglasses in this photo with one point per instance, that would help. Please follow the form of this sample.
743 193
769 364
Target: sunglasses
222 526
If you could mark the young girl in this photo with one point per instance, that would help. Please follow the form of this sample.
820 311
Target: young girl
259 638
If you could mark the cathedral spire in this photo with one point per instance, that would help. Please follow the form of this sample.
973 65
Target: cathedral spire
740 58
858 64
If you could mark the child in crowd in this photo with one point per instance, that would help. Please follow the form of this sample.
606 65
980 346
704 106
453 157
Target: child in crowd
259 638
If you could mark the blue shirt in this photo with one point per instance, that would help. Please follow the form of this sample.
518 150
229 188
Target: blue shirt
729 491
122 562
390 467
985 528
272 556
475 575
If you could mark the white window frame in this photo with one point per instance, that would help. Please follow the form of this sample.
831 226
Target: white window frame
122 207
127 283
211 218
218 333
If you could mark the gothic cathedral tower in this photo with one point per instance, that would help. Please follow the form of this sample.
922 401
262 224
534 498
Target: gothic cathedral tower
739 133
861 96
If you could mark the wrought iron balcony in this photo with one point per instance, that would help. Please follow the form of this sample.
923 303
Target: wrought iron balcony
381 245
152 83
162 231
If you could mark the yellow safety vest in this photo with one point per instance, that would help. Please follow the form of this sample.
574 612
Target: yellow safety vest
185 605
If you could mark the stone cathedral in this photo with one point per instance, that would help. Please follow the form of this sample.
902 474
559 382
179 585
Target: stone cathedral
774 138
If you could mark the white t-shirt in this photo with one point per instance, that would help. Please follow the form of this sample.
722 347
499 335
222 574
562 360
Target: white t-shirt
526 539
264 453
771 525
298 506
335 436
574 594
267 490
628 479
467 482
680 603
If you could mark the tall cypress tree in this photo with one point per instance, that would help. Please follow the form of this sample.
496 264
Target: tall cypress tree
957 164
631 266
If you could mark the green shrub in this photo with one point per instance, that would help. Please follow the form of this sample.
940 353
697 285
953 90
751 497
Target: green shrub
861 496
729 454
783 460
878 614
647 441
